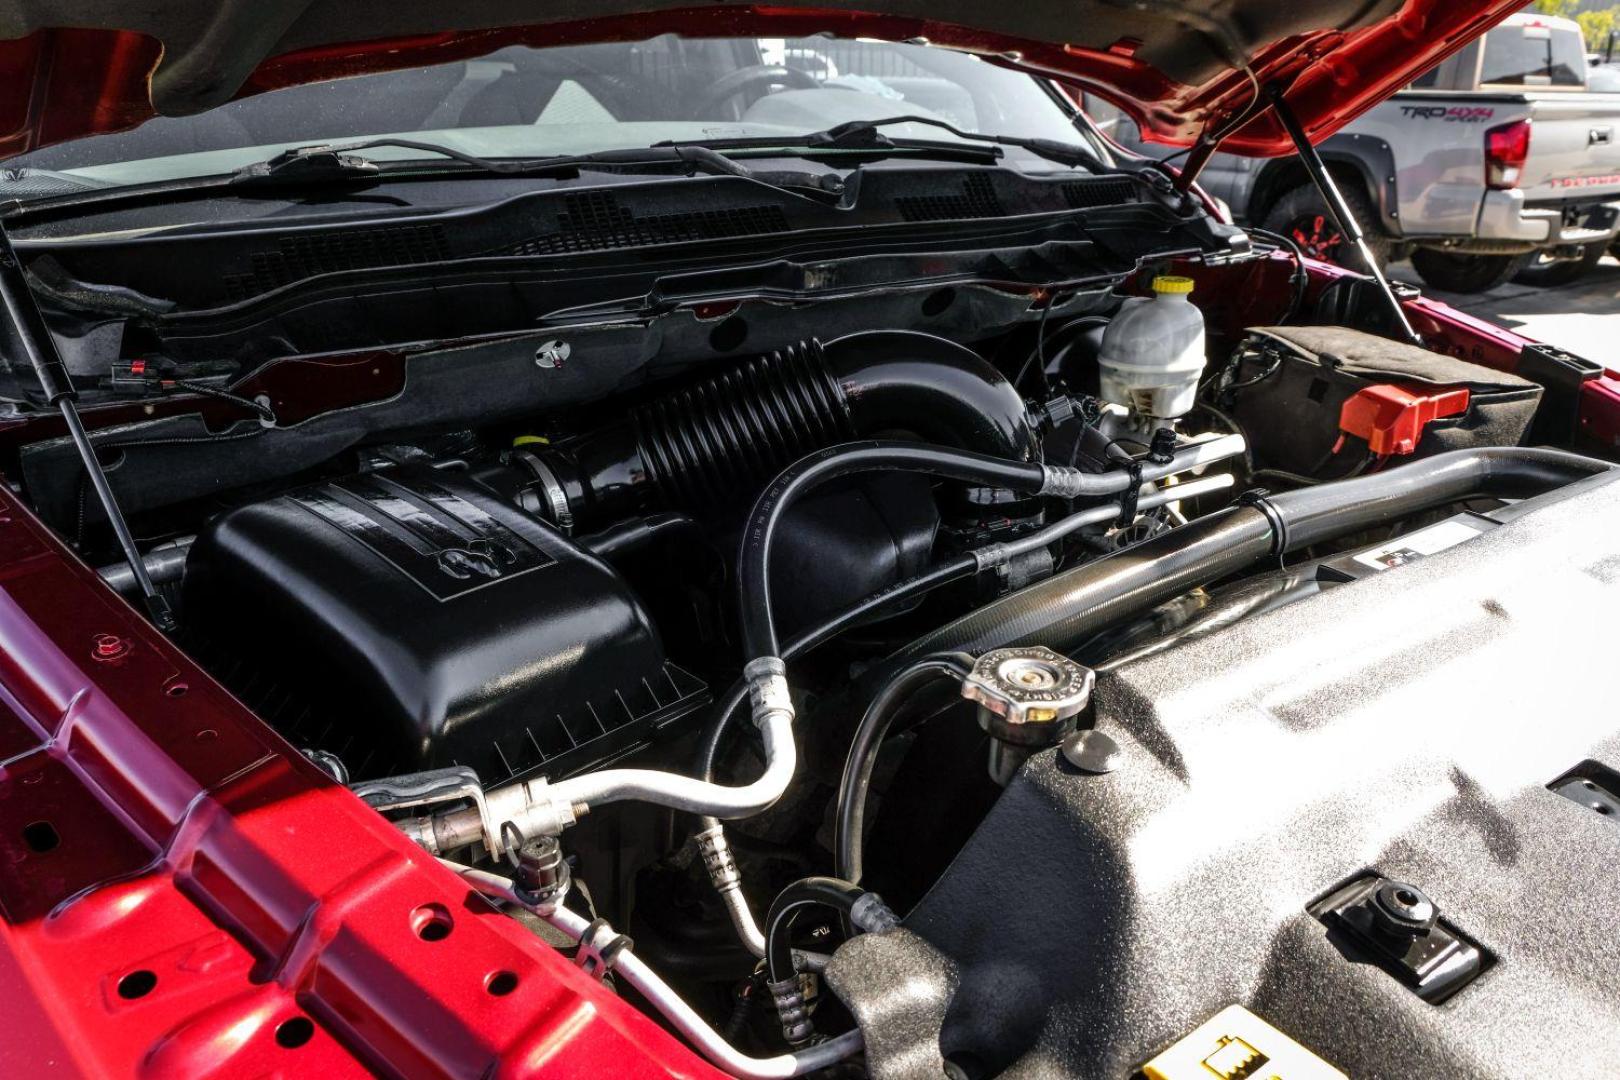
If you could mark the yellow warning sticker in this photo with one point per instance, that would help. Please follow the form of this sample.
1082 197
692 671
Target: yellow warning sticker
1235 1044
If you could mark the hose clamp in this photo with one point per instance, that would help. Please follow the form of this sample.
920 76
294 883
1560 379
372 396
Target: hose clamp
990 556
1060 481
1260 499
551 487
595 958
717 859
768 692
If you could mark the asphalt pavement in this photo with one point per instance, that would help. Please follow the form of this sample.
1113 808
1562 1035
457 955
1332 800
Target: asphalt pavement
1583 317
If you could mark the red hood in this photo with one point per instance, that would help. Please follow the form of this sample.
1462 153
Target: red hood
80 67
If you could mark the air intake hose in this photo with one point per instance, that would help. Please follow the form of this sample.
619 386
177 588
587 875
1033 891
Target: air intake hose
716 442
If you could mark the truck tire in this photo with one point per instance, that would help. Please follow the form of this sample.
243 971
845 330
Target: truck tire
1451 271
1553 274
1302 215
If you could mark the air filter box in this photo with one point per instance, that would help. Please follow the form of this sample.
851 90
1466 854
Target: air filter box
425 623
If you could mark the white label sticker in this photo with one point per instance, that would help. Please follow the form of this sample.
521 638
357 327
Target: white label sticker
1415 546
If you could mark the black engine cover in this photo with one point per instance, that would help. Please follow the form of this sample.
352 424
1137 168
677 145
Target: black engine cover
430 624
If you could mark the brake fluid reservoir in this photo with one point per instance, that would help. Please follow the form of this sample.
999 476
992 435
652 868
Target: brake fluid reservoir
1153 351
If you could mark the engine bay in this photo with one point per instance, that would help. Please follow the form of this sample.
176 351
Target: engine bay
998 651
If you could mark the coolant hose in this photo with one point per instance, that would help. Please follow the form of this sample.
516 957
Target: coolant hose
851 805
711 838
904 591
828 892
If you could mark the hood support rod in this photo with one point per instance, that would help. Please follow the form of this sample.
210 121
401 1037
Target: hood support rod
33 337
1340 209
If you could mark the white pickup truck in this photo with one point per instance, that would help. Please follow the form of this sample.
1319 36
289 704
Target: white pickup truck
1497 162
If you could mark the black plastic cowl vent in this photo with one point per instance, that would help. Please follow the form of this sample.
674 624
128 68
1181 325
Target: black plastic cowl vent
1100 191
975 197
596 221
297 257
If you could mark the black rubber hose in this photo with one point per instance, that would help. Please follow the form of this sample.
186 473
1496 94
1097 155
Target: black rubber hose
637 534
753 562
830 892
714 736
1074 604
849 822
938 390
884 600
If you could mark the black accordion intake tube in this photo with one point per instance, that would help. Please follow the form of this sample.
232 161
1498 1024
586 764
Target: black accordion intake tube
717 441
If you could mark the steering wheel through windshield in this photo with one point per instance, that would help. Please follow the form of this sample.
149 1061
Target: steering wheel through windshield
755 80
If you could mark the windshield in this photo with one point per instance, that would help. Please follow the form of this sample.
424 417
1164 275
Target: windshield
1533 56
524 102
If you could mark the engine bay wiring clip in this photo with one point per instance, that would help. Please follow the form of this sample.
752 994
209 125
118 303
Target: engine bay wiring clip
596 958
1260 499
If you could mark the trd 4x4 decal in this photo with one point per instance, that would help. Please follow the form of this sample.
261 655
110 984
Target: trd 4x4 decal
1451 114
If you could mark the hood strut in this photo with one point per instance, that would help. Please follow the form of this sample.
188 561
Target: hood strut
1340 209
34 338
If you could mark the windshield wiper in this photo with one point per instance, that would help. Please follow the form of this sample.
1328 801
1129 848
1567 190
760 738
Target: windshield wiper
305 165
867 135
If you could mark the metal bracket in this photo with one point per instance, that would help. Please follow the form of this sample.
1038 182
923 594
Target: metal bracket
431 788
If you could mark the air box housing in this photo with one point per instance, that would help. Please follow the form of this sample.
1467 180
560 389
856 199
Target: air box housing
425 623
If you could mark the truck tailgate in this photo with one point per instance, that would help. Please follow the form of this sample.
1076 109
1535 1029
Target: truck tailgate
1574 147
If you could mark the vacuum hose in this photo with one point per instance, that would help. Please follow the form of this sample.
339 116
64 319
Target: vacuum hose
717 441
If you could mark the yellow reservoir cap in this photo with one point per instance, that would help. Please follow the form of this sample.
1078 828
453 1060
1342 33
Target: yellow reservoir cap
1235 1044
1166 283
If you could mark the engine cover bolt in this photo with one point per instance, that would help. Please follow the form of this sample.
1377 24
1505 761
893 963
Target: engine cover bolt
1404 908
552 354
1092 751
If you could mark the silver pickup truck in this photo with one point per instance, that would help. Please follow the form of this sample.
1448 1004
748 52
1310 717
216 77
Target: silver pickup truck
1498 162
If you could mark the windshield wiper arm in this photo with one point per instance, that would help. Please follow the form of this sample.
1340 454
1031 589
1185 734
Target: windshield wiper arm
864 132
867 135
320 164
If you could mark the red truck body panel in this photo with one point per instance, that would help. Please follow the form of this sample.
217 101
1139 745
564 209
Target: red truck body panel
185 895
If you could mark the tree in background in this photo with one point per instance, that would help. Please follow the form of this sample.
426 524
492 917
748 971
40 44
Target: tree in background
1596 27
1596 22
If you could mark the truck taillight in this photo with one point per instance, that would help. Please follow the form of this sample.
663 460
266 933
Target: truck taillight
1506 148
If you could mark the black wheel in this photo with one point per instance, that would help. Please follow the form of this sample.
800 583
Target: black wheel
1552 274
1452 271
1302 215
